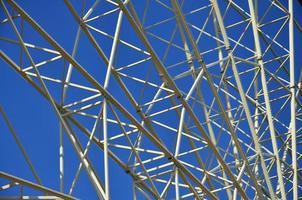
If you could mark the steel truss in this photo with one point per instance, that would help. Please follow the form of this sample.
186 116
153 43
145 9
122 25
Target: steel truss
201 101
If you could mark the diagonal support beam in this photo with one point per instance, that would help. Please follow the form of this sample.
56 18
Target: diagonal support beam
18 141
35 186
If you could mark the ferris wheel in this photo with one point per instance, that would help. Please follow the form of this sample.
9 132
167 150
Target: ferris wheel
152 99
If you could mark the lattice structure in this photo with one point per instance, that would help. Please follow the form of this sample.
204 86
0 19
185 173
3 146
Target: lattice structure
192 99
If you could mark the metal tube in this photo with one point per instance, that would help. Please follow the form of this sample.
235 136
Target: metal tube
293 101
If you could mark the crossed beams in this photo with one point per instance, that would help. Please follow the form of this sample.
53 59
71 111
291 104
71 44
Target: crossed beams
246 156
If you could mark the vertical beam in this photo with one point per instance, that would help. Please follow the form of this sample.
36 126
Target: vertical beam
266 98
256 97
292 104
245 105
228 102
61 158
180 128
106 84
